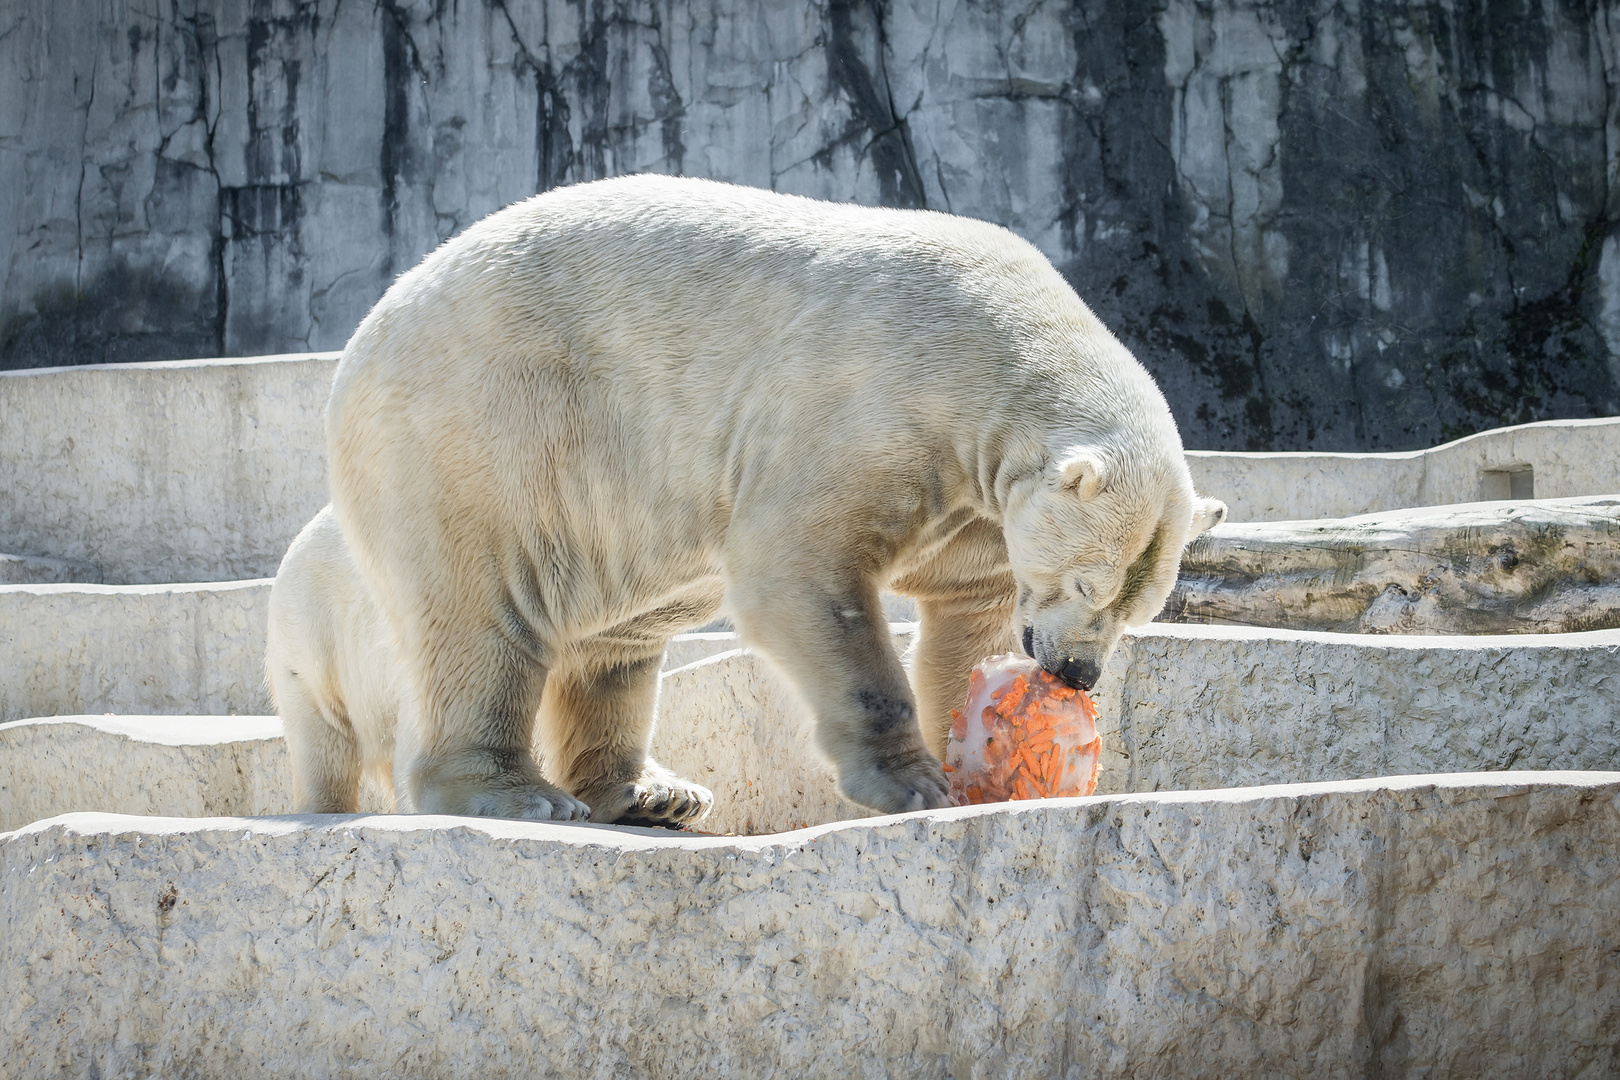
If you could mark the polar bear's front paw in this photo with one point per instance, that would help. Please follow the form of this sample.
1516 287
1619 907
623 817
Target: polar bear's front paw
898 787
656 797
528 802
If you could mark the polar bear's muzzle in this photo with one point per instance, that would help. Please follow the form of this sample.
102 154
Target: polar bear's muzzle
1079 668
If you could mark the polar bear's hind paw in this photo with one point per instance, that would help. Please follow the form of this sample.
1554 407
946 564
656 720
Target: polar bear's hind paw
528 803
657 797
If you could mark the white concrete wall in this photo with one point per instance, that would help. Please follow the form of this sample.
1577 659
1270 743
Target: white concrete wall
1188 708
170 766
196 470
204 470
1568 457
67 649
1423 926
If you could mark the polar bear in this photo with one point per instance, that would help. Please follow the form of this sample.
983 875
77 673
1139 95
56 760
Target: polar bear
333 676
601 415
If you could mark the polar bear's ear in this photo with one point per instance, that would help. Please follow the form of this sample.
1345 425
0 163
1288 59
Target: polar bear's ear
1207 513
1081 472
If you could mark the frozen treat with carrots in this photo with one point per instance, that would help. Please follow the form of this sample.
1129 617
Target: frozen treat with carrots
1022 735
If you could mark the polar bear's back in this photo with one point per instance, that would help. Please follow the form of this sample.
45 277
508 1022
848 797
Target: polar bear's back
661 297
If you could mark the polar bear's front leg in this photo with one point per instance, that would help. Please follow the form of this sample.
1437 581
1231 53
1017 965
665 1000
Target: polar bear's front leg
953 635
596 725
832 640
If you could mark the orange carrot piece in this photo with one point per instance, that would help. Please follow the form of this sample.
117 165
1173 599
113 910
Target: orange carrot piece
1039 790
975 796
948 768
1009 702
1021 790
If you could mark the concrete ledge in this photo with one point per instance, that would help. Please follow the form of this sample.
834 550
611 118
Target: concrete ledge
1440 925
174 766
194 470
70 649
1565 458
1225 706
1187 708
1539 566
37 570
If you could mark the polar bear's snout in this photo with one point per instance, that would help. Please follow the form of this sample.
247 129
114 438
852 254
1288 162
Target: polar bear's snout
1075 663
1080 674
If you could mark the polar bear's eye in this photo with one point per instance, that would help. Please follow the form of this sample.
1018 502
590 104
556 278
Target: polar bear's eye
1083 589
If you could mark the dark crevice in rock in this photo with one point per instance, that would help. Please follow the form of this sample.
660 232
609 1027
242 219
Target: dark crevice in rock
871 100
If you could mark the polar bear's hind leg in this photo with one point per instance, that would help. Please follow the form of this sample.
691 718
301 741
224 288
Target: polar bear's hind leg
478 699
323 754
596 726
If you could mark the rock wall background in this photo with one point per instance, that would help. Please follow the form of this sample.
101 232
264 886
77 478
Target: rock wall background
1327 225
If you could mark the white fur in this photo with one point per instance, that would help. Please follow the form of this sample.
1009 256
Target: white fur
593 417
333 675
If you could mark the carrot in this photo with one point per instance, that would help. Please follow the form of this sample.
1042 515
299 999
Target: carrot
975 795
1018 786
1009 701
1039 790
948 768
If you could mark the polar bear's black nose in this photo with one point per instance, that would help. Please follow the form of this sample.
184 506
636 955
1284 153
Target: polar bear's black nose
1029 641
1080 674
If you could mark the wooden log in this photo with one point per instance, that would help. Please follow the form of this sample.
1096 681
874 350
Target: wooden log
1530 567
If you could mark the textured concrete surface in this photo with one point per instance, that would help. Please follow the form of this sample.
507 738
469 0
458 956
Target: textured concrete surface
198 470
69 649
34 570
1321 225
1422 926
1541 566
170 766
1182 708
1567 457
1223 706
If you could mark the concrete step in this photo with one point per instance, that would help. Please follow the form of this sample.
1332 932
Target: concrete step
69 649
1432 925
1527 567
192 470
169 766
1553 459
1193 708
204 470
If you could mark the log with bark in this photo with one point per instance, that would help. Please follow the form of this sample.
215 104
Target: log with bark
1529 567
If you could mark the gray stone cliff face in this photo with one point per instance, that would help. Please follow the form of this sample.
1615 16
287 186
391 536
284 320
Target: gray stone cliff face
1321 225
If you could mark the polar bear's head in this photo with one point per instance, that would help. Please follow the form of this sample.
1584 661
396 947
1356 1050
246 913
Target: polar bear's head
1095 548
